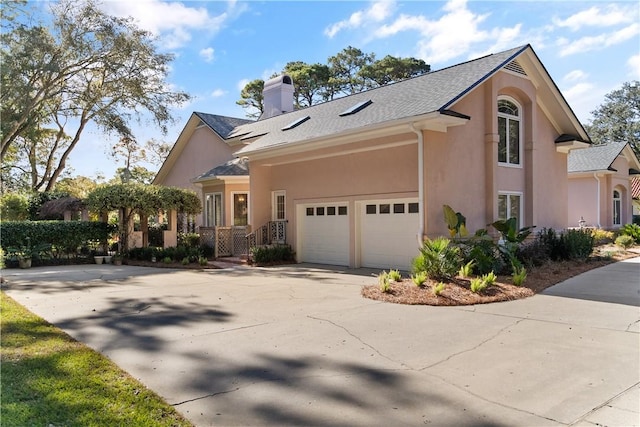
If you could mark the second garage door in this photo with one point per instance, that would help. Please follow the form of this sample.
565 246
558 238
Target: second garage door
388 233
323 233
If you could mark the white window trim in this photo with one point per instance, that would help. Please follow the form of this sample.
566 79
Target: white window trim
520 120
206 216
233 207
619 201
519 194
274 204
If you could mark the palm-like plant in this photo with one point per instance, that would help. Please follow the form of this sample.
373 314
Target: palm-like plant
438 259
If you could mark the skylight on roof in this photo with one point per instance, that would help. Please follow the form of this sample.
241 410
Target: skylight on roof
359 106
296 122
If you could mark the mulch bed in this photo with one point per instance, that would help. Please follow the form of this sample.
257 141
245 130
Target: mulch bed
458 292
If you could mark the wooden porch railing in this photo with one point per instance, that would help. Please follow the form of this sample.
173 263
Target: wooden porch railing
268 234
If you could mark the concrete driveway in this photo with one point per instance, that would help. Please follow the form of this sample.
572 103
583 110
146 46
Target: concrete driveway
298 345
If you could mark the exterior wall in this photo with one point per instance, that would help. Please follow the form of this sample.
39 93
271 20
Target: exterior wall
583 196
227 191
461 169
202 152
583 201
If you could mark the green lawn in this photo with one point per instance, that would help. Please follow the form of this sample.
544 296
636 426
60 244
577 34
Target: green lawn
48 378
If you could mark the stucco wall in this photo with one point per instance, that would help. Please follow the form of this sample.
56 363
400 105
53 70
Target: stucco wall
583 201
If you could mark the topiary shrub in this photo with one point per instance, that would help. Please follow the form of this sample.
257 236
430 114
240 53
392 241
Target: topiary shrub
264 255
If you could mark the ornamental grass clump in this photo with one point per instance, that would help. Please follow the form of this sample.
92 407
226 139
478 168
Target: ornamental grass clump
479 284
384 282
419 279
467 269
395 276
437 289
519 276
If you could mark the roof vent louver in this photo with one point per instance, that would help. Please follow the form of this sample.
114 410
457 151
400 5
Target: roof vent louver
359 106
296 122
515 67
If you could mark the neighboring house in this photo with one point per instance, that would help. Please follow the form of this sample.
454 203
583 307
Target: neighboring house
203 160
360 181
635 193
600 188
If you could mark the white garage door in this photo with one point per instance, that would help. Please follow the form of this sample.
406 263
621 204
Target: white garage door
324 233
388 233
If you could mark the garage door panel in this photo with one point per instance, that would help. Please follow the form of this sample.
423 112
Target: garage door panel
388 233
324 234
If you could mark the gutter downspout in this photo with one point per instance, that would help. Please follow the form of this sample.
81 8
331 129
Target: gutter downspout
595 175
420 184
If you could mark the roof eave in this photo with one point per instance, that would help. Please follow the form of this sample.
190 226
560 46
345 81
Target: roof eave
435 121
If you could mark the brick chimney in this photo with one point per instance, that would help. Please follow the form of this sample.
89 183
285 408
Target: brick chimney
277 96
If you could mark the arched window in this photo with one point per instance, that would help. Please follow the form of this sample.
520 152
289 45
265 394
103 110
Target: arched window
617 208
509 126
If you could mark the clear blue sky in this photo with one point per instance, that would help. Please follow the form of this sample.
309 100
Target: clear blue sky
589 47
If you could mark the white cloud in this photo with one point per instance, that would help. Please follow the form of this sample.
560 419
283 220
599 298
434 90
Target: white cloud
575 76
596 17
172 22
207 54
598 42
377 12
583 98
218 93
634 67
449 36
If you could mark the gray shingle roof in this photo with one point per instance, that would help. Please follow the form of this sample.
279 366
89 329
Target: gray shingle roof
594 158
234 167
222 125
435 91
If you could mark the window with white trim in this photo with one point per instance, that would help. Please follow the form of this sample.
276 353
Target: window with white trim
510 206
509 130
213 209
617 208
278 205
240 208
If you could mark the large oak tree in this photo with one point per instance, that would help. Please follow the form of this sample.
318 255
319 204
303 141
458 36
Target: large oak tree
85 66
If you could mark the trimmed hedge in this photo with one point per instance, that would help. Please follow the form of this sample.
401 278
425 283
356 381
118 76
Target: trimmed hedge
65 236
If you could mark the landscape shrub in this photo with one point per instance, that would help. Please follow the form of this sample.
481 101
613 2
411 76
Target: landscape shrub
65 237
384 282
419 279
577 244
437 289
601 236
625 241
190 240
438 258
533 253
632 230
263 255
395 275
483 251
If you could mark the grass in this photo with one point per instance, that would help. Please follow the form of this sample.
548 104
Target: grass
49 379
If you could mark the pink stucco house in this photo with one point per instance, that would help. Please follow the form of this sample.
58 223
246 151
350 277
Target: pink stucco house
600 185
361 180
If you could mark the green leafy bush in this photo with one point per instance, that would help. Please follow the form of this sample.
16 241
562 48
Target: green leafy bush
156 234
601 236
438 259
190 240
203 261
632 230
625 241
167 260
185 261
263 255
14 207
533 253
65 237
484 253
577 244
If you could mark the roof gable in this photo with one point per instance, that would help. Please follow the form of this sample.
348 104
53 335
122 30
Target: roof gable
220 125
599 157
